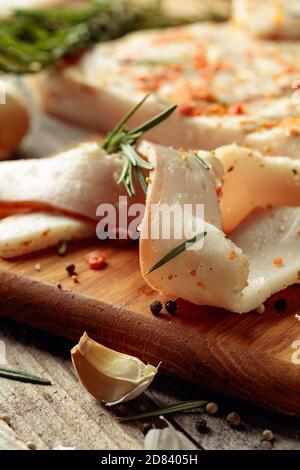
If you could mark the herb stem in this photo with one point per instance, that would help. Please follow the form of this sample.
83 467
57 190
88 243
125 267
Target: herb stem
23 377
178 407
123 140
177 250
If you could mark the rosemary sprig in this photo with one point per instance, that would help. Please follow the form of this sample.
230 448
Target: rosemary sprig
177 250
31 40
183 406
22 376
122 140
201 161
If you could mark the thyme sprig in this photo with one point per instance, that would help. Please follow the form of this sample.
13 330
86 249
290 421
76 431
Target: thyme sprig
122 140
177 250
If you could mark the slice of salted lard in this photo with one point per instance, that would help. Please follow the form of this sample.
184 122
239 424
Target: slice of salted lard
76 182
252 181
223 92
25 233
268 18
224 272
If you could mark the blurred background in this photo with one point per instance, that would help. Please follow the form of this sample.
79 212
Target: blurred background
186 7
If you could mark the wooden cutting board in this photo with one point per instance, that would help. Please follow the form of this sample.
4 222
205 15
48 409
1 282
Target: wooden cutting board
246 356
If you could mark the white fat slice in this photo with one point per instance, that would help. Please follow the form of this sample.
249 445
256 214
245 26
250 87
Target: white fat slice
280 140
223 92
252 181
270 239
26 233
268 18
76 181
225 272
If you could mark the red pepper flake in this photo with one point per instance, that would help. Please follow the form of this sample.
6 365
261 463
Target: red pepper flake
219 191
27 242
70 59
293 132
176 68
96 260
200 61
186 109
236 109
278 262
232 255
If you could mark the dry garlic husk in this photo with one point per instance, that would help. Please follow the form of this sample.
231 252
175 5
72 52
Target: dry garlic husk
108 375
167 439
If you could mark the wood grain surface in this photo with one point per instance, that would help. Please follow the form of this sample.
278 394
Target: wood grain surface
65 415
244 356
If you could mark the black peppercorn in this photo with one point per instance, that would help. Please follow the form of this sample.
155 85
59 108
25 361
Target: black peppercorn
281 305
70 268
156 307
171 307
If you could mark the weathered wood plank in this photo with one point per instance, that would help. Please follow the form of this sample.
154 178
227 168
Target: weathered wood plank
221 436
62 414
8 438
65 415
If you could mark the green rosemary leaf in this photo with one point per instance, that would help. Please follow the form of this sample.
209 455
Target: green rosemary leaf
128 151
177 250
47 36
130 113
154 121
135 158
108 141
129 180
141 178
201 161
122 140
22 377
124 169
183 406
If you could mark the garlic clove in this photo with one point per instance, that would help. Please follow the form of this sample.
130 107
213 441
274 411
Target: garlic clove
108 375
167 439
134 393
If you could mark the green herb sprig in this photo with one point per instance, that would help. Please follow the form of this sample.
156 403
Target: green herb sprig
31 40
177 250
22 377
182 406
122 140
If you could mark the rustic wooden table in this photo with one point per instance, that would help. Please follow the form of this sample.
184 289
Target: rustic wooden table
65 415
